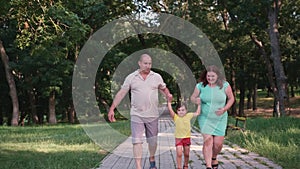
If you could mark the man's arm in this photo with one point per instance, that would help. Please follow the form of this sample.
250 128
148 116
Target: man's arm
166 92
118 98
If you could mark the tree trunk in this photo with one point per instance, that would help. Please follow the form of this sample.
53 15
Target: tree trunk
1 118
12 86
292 91
270 73
276 56
254 97
242 87
242 98
52 116
40 110
71 114
22 119
32 102
233 85
249 97
225 17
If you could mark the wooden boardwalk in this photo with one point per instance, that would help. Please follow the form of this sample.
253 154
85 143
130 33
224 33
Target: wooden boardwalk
231 157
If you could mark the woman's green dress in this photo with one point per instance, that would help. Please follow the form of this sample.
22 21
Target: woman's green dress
212 98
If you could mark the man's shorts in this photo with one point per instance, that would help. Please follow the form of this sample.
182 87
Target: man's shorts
141 126
182 141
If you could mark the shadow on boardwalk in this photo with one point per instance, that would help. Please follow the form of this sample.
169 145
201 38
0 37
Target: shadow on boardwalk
231 157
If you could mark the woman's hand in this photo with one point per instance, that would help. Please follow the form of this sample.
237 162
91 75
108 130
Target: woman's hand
220 111
197 101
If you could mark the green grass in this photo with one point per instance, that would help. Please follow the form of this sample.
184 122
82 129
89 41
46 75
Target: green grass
50 147
275 138
68 146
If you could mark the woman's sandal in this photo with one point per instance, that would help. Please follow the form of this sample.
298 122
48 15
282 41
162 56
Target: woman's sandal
215 166
185 167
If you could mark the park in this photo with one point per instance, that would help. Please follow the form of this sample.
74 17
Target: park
62 63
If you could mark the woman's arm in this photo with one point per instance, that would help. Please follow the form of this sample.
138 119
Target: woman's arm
230 98
230 101
195 96
198 111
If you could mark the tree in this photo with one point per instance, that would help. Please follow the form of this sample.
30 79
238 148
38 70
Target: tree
49 35
255 24
273 14
12 86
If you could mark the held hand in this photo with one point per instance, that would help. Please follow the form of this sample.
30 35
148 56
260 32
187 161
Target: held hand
220 111
198 101
111 116
170 98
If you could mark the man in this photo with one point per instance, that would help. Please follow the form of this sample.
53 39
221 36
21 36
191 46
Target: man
144 85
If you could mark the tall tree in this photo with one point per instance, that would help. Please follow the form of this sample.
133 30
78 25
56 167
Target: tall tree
273 15
255 24
12 86
49 34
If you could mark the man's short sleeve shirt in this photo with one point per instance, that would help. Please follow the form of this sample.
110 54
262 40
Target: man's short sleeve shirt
144 93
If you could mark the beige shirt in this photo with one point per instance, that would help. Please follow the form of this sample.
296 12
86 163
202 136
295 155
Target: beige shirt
144 93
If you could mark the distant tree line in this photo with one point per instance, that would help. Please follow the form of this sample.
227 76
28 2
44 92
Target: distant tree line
257 41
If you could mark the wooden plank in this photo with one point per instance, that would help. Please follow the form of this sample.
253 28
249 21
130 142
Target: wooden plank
109 161
196 157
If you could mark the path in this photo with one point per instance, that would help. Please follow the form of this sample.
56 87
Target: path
231 156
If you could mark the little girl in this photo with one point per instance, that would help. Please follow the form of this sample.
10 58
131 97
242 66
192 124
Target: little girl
182 121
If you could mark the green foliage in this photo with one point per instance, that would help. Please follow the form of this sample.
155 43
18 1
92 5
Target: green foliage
43 39
46 45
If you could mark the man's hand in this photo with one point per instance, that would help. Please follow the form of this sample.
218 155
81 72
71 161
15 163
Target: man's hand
111 116
170 98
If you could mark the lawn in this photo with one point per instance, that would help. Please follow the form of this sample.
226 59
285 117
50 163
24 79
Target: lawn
50 147
275 138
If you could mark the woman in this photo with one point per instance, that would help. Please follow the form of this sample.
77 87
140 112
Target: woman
215 95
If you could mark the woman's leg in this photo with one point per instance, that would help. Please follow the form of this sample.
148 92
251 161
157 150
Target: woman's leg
217 147
207 148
